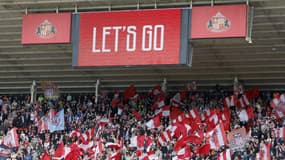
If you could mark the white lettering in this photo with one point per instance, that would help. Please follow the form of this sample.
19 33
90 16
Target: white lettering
113 38
147 29
105 33
131 31
116 28
160 47
94 42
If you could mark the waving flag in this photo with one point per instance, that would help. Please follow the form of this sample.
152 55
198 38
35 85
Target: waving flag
46 156
56 122
137 115
230 101
246 114
278 100
155 91
264 152
59 152
148 156
164 137
204 150
218 137
279 114
113 145
129 92
243 101
194 114
99 148
116 99
279 132
178 98
74 133
154 122
225 155
164 111
115 156
43 124
11 139
184 153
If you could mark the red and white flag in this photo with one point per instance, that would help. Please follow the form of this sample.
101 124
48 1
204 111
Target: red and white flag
175 112
246 114
177 100
184 140
279 132
155 91
279 113
148 156
59 152
224 115
115 100
164 111
85 146
103 121
243 101
230 101
98 149
264 152
115 156
218 137
90 133
194 114
113 145
164 137
74 133
159 101
43 124
184 153
133 141
154 122
225 155
129 92
137 115
11 139
204 150
45 156
137 141
278 100
214 119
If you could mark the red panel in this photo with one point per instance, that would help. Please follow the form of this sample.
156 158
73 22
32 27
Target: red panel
219 21
129 38
46 28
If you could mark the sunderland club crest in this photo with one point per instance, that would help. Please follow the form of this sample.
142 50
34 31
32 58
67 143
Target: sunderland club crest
218 23
46 30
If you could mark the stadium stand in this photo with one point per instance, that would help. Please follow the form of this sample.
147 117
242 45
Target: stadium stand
153 126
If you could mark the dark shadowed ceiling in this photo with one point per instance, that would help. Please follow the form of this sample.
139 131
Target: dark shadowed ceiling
261 63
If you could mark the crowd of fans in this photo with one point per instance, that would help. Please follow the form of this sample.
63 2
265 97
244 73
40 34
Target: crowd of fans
112 128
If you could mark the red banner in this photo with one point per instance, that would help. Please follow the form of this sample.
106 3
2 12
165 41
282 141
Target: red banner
46 28
147 37
225 21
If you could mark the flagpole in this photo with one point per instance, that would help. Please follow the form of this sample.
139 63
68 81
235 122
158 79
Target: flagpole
96 90
164 85
33 91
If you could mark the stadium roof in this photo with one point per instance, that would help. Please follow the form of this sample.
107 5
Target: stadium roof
260 63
